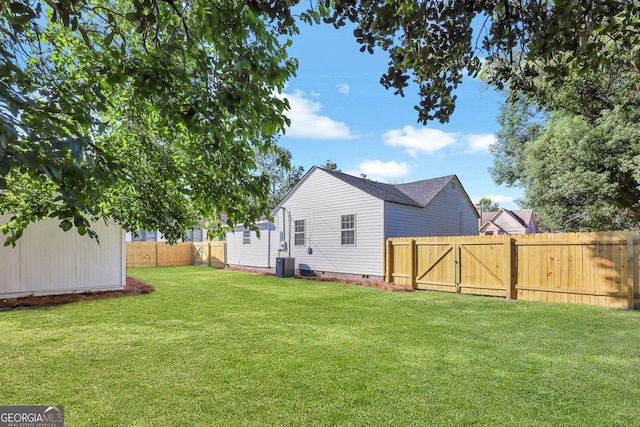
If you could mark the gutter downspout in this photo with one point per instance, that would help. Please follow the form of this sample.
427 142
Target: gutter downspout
284 231
289 243
268 243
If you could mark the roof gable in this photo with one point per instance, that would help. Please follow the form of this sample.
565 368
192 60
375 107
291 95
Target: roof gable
487 225
501 217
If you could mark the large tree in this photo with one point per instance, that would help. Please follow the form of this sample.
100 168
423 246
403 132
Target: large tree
488 205
283 176
583 175
151 111
521 122
434 43
148 112
579 168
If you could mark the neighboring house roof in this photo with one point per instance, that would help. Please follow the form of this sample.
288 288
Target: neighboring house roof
521 216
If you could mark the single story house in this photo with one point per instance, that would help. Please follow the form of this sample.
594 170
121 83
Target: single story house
198 233
49 261
195 235
504 221
336 224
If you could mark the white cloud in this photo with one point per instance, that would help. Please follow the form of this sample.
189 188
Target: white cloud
479 143
306 122
424 140
378 170
343 89
429 141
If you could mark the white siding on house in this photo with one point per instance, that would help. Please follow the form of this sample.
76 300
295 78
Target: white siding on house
322 198
404 220
48 261
450 213
256 253
321 202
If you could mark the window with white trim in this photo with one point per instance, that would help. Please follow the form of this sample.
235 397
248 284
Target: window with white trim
299 232
246 237
348 230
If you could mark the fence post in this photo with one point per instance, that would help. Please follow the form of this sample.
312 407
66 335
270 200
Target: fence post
412 263
157 261
508 265
631 266
388 265
458 266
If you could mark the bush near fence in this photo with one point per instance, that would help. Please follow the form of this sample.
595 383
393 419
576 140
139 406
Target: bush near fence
586 268
160 254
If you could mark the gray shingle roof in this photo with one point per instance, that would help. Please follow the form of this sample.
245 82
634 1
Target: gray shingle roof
418 193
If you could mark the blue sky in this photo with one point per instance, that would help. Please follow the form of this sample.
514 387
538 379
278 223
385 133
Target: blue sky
340 111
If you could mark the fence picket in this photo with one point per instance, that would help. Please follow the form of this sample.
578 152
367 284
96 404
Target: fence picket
160 254
588 268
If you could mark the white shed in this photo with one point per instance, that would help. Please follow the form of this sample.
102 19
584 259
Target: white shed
336 224
49 261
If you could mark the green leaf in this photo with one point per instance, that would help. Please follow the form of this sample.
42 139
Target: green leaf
66 225
21 19
108 39
17 7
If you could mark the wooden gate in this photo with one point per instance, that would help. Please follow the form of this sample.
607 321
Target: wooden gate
470 264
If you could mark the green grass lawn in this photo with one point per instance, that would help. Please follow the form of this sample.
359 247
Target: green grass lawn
226 348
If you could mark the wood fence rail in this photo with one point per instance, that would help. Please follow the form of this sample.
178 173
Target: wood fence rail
160 254
586 268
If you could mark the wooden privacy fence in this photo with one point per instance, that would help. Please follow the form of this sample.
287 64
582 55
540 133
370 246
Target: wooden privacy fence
587 268
160 254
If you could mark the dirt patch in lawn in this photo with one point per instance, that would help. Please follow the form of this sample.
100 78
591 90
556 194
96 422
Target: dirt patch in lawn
133 287
370 283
